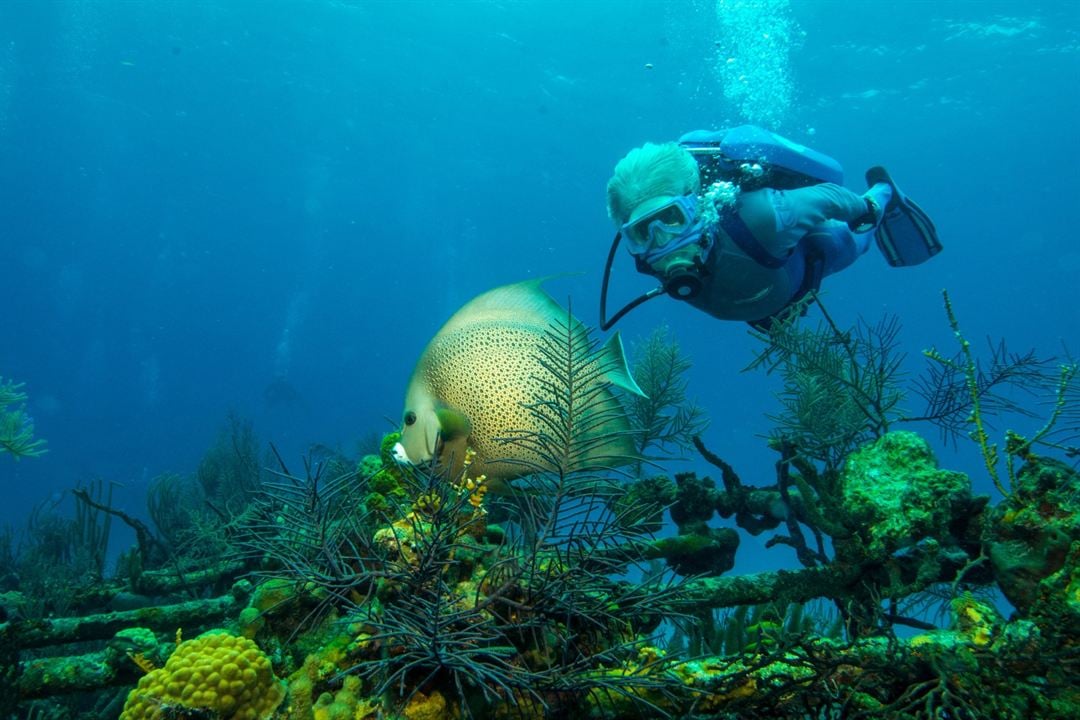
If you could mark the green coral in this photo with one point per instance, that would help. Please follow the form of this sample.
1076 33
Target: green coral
368 466
385 481
896 488
644 502
1031 534
16 427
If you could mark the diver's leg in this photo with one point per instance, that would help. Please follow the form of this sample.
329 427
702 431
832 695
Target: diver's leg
880 195
836 245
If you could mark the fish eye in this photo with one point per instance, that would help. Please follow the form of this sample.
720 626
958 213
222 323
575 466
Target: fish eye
410 417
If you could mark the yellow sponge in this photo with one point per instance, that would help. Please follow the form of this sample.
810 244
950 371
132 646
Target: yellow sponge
227 675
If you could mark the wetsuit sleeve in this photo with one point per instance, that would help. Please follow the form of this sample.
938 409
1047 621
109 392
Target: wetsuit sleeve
780 218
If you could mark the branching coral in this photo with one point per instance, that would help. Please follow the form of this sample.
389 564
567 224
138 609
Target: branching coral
960 393
16 427
390 591
664 418
230 471
445 604
841 388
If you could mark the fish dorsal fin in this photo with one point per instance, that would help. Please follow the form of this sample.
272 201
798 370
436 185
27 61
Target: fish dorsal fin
613 357
522 302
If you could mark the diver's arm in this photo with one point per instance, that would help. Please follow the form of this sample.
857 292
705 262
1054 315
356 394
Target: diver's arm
793 213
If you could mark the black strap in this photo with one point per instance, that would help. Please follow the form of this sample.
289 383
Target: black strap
740 234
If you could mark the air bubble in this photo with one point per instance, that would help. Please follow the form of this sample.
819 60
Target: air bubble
755 72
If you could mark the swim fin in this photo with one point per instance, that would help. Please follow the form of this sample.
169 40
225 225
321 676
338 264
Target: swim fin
906 235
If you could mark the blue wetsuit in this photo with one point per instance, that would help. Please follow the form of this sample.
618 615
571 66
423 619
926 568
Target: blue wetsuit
790 240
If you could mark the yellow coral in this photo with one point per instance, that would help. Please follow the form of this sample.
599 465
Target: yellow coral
346 704
477 487
144 663
426 707
428 504
229 676
974 619
920 640
398 541
716 701
470 455
647 655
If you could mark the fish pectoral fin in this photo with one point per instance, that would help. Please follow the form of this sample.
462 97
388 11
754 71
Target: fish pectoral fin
618 374
453 424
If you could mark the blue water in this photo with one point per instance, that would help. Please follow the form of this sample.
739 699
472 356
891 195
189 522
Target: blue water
271 207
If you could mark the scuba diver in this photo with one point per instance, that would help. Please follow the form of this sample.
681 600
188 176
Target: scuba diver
743 223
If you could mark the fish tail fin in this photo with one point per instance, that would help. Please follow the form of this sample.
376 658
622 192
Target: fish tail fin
613 357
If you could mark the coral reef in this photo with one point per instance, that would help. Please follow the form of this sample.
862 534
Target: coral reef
375 590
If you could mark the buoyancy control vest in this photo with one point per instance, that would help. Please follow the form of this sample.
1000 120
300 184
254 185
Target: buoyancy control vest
754 158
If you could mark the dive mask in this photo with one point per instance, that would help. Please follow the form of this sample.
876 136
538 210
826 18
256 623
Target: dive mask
670 241
664 229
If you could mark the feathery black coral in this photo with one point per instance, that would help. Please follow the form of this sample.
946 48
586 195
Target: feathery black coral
584 430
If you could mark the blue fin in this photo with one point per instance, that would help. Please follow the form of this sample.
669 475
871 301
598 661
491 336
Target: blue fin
906 235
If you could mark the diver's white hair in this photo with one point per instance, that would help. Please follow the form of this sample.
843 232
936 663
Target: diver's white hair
647 172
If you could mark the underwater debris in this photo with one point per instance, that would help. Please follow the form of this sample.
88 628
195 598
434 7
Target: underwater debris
55 675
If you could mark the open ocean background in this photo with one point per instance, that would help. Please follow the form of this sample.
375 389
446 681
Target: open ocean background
270 207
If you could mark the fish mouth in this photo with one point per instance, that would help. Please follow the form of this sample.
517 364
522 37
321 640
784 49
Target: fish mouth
400 456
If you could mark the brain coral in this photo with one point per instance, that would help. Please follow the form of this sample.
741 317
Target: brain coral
229 676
